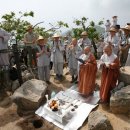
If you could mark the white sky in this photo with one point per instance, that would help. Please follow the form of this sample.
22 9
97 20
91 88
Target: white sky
51 11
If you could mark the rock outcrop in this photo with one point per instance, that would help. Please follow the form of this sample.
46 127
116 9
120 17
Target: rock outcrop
30 95
120 101
98 121
125 75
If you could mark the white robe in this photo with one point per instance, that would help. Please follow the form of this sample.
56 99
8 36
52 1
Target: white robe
108 59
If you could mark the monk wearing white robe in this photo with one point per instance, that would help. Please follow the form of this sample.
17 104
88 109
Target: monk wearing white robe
87 72
110 73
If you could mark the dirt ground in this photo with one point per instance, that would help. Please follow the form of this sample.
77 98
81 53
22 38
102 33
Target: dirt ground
9 120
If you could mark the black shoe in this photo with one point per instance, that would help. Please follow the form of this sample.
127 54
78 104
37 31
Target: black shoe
48 82
60 77
57 77
72 79
75 79
76 82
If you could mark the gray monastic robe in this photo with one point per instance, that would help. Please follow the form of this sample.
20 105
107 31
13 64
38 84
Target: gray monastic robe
58 57
43 63
72 61
4 58
115 42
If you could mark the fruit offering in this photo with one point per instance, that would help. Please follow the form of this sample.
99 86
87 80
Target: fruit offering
53 105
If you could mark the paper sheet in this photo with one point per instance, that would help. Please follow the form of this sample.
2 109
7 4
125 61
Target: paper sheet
79 117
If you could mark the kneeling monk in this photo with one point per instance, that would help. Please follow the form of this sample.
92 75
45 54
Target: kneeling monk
87 72
110 73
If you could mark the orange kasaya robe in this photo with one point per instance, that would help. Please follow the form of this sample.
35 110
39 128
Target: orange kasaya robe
108 80
87 76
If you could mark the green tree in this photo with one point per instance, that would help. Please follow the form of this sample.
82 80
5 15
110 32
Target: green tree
83 25
11 23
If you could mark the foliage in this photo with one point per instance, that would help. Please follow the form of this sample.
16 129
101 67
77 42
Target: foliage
41 31
82 25
12 23
62 24
16 25
77 32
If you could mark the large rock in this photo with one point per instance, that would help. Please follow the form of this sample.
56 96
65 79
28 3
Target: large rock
5 102
118 87
98 121
125 75
120 101
30 95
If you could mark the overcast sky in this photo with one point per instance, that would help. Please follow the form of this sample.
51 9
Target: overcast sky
51 11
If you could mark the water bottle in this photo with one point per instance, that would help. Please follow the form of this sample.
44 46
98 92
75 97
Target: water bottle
53 94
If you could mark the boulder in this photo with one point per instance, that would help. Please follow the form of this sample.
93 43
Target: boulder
30 95
98 121
118 87
125 75
120 101
5 102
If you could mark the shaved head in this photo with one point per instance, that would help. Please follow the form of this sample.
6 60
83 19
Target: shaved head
87 49
74 41
108 49
107 46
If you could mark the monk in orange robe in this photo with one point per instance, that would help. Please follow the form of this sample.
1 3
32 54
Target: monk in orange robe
110 73
87 72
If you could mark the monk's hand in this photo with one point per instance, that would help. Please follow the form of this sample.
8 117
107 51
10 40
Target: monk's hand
39 54
107 65
34 41
43 51
102 64
86 63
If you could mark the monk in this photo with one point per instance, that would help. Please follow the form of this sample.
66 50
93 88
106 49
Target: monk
110 73
87 72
